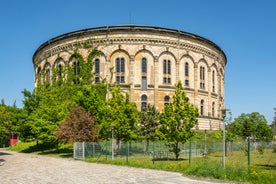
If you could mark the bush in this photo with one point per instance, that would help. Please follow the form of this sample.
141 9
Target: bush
261 148
274 149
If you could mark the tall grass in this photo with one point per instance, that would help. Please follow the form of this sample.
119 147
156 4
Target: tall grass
210 167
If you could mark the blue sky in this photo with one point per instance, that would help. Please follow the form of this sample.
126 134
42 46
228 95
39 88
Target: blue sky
244 29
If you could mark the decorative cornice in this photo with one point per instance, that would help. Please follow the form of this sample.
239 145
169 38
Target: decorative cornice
119 40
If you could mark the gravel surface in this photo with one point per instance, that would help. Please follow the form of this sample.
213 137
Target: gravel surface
20 168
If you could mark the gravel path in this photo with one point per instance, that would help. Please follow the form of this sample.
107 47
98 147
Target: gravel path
20 168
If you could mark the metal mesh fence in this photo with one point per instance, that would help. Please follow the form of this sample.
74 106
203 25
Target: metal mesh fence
260 154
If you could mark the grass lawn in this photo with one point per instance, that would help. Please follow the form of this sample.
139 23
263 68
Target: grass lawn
262 168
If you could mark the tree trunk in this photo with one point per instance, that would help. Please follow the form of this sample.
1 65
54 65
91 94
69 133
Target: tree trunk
147 146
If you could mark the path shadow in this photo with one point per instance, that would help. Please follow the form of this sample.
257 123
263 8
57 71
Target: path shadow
4 153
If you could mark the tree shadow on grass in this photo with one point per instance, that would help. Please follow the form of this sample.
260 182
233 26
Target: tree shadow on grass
267 166
168 159
49 149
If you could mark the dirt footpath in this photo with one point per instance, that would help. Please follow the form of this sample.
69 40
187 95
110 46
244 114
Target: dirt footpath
20 168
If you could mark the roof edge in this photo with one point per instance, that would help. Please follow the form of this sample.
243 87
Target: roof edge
127 27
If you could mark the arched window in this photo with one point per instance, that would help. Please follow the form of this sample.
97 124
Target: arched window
202 107
38 74
48 75
202 77
97 70
76 72
213 81
186 69
144 65
76 68
213 109
166 100
144 101
186 74
59 70
120 70
97 66
166 66
166 71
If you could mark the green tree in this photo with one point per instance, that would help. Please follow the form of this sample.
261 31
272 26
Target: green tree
11 119
79 126
252 125
148 124
53 104
119 114
5 123
273 125
91 98
50 102
177 120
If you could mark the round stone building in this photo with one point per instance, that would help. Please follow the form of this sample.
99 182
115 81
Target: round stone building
147 62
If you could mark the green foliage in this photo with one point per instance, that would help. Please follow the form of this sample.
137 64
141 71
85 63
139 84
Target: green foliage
274 149
273 124
148 122
5 123
91 98
261 148
48 105
53 104
119 114
11 120
253 125
177 120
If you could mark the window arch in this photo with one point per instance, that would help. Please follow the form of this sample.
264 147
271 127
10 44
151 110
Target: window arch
166 100
144 99
202 107
120 70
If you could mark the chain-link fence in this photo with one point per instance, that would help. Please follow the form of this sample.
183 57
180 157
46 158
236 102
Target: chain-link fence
259 154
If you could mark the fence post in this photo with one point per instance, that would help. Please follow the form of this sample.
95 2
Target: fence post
93 149
74 147
106 147
127 151
248 152
83 151
153 153
190 151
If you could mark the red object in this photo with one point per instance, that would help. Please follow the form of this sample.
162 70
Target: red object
13 139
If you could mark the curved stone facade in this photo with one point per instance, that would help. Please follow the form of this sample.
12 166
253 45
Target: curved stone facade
147 62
